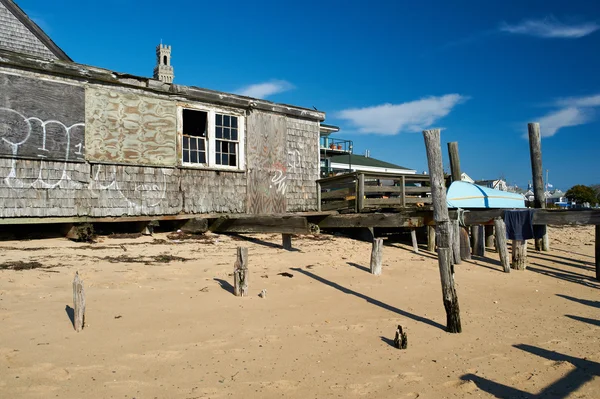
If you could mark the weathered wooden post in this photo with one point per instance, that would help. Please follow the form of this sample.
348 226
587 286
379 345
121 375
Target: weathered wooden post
431 238
286 240
413 237
78 303
539 201
478 240
376 256
240 273
465 244
454 161
457 176
360 192
489 235
597 247
519 254
443 225
456 242
501 243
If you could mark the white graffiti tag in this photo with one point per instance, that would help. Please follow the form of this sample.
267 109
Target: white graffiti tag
278 180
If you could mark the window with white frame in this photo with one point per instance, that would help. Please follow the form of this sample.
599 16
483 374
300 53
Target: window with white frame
212 138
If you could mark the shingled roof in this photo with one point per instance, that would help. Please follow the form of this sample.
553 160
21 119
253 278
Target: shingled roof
20 34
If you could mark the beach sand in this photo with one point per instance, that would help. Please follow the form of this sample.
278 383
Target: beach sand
173 329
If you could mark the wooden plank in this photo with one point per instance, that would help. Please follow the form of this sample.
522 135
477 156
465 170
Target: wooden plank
78 303
40 119
376 256
541 216
266 160
129 128
454 161
396 201
371 220
261 224
347 204
443 226
240 272
342 193
345 178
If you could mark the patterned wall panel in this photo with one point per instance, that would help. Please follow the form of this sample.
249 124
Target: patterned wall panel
130 128
266 160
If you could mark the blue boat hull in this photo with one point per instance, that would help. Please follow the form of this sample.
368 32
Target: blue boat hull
467 195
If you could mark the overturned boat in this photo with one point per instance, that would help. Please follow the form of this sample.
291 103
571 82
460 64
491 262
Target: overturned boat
462 194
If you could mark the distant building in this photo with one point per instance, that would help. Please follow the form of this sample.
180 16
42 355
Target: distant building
498 184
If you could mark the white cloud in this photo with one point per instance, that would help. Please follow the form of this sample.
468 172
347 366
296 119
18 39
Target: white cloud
565 117
406 117
551 28
572 111
588 101
265 89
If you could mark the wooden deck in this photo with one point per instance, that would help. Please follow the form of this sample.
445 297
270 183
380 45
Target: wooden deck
367 192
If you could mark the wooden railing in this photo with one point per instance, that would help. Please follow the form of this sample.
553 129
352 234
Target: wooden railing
368 191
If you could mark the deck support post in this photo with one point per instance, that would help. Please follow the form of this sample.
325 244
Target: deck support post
489 236
376 256
597 247
456 242
431 238
477 232
286 241
465 244
501 243
78 303
443 226
240 272
413 237
519 254
539 201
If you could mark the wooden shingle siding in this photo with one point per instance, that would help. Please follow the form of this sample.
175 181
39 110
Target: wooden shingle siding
128 128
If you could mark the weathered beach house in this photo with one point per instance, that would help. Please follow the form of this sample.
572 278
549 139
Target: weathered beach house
78 141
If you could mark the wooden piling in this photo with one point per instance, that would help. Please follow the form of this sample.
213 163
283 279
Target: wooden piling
456 242
539 201
597 247
286 240
413 237
78 303
465 244
519 254
431 238
465 253
489 236
501 243
477 233
240 273
376 256
443 226
454 161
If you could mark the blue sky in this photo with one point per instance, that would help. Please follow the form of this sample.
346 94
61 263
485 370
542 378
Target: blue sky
382 70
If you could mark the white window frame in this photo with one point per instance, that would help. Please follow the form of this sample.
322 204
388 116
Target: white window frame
211 137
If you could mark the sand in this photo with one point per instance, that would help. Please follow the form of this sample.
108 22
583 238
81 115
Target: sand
173 329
